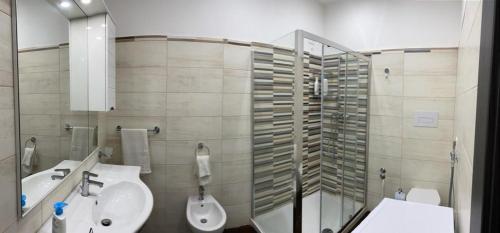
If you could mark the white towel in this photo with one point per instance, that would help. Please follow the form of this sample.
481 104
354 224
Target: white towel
135 149
27 160
203 167
28 154
80 138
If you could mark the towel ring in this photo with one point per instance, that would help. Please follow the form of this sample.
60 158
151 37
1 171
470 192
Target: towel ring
200 147
33 142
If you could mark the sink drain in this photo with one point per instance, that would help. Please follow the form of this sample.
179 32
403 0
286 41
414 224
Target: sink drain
203 220
106 222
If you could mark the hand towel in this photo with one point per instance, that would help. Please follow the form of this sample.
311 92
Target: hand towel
28 154
80 138
135 149
203 166
28 160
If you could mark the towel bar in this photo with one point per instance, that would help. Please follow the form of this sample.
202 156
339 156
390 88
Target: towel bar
155 130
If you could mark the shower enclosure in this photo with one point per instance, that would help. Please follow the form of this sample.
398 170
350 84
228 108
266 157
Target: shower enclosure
310 135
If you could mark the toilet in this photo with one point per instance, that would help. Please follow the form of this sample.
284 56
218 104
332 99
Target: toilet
205 216
425 196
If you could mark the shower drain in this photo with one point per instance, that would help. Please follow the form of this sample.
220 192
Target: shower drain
203 220
327 230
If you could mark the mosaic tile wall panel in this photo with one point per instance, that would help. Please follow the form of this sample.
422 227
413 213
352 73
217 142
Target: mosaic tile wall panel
345 126
273 75
311 126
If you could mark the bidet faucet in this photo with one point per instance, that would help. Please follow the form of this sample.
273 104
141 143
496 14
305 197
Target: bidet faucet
201 190
86 182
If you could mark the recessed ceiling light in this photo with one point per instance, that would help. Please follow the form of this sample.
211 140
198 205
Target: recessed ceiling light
64 4
86 1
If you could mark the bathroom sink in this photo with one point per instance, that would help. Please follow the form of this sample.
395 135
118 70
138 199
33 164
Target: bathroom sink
119 206
122 206
38 185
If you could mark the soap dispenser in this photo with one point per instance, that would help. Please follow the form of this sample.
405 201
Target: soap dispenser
59 220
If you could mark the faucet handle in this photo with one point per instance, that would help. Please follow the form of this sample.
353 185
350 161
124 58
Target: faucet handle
89 174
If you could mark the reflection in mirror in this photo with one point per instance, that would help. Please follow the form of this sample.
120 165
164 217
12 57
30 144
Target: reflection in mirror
54 138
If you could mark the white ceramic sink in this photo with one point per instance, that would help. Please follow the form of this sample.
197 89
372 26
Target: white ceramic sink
38 185
124 199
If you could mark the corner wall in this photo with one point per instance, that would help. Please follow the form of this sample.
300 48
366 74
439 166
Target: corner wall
413 156
465 114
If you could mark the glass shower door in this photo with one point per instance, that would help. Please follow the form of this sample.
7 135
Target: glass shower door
332 146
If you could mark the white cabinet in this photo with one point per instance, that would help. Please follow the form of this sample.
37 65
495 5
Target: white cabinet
99 31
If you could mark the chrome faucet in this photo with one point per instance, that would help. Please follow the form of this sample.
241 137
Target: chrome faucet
86 182
201 190
65 172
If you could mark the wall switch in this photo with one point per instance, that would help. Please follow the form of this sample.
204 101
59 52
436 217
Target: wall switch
426 119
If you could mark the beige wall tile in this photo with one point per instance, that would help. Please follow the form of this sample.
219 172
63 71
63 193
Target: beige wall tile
429 86
194 80
39 83
237 149
391 60
5 6
157 180
194 104
465 122
426 149
385 146
392 86
158 152
386 126
386 106
141 79
64 58
6 98
236 127
236 105
425 170
237 81
237 57
238 215
236 172
445 107
141 53
193 128
236 193
140 104
183 176
436 62
391 185
8 196
182 152
443 132
195 54
392 166
48 125
6 78
7 132
39 104
5 43
39 61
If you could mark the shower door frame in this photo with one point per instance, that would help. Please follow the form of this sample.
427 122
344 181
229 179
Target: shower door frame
300 36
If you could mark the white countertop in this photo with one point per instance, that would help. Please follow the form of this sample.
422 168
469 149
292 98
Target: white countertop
394 216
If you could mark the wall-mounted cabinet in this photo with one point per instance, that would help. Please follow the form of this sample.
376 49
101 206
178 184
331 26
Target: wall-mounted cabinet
93 60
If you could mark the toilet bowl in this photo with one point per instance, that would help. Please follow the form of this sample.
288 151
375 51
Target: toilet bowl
426 196
205 216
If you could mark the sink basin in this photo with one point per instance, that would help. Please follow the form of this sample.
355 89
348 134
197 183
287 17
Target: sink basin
122 206
38 185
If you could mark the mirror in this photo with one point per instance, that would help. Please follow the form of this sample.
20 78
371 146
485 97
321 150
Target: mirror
54 137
